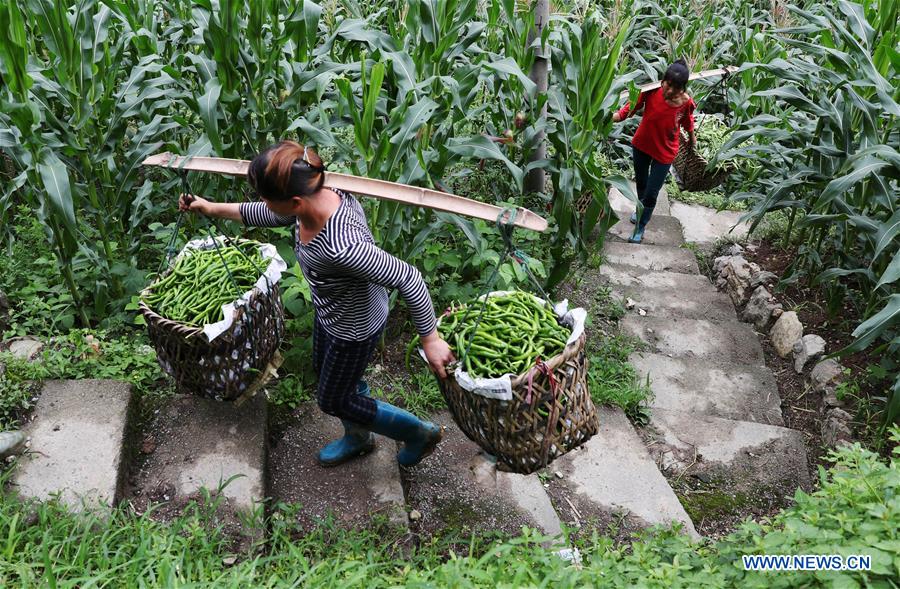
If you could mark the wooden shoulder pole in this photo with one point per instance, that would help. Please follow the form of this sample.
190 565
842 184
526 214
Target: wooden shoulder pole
695 76
381 189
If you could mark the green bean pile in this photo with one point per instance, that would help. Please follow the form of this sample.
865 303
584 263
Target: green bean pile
195 290
513 332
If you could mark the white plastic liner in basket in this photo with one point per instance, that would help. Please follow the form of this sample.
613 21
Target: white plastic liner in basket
272 272
501 388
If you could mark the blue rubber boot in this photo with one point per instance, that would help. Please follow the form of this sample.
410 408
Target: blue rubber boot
357 440
638 235
633 219
420 437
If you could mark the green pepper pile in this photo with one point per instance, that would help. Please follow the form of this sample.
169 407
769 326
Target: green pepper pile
513 332
198 285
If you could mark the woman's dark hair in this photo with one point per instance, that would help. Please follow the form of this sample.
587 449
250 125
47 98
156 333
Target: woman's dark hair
677 74
286 170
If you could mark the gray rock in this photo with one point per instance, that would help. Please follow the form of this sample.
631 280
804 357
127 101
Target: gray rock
735 250
785 333
11 443
763 277
808 348
759 308
838 413
719 263
830 399
835 430
737 272
25 348
825 373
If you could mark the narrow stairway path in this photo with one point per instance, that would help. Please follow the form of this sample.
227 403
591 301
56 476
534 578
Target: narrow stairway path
716 411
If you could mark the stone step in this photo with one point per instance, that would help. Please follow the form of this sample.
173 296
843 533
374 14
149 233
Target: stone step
761 461
352 492
641 277
197 443
661 230
614 473
722 341
78 443
650 257
694 303
620 203
704 226
459 486
703 387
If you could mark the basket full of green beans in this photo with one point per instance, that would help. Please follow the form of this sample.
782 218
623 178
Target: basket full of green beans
518 336
191 294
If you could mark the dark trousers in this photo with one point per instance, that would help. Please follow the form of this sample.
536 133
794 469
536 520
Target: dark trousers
340 365
649 177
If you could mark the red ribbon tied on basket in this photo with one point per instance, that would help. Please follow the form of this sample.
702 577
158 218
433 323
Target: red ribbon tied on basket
541 367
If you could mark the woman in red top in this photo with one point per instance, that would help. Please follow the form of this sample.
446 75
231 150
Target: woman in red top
655 143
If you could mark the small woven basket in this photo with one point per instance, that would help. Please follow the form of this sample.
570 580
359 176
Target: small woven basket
543 420
230 365
692 170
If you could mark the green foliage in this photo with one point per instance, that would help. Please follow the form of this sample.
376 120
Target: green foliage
418 394
855 511
291 391
612 380
823 120
80 354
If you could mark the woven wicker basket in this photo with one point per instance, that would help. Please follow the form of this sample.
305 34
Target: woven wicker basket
691 169
516 431
230 365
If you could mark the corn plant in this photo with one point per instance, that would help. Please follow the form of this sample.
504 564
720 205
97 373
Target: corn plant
584 89
825 132
77 129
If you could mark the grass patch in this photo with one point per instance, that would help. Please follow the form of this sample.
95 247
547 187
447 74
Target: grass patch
612 380
853 512
419 394
80 354
714 199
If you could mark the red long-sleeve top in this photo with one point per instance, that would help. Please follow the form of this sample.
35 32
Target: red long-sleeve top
658 135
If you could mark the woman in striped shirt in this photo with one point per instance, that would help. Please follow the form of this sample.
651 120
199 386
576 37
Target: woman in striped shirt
349 277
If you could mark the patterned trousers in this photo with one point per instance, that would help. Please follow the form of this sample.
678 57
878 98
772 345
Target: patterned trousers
340 365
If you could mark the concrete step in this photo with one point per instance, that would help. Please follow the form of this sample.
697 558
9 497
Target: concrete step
200 443
613 473
661 230
754 459
633 276
78 443
460 487
705 387
352 492
722 341
650 257
704 226
620 203
692 303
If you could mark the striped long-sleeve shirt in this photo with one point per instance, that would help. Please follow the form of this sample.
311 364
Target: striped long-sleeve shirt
348 274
